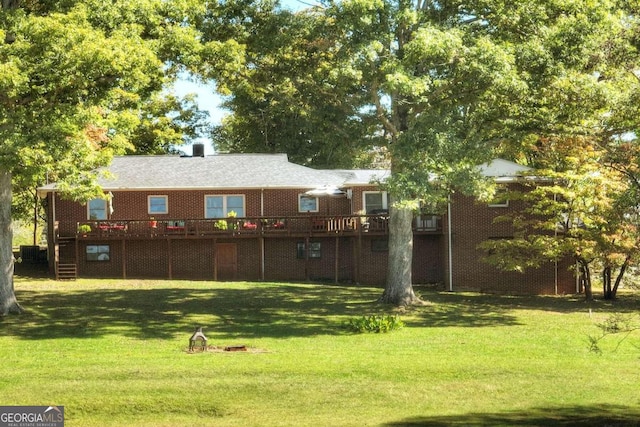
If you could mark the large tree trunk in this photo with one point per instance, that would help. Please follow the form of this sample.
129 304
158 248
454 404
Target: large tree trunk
10 4
610 292
399 289
8 302
585 277
623 269
606 282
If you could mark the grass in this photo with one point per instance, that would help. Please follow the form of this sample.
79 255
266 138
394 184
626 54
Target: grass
114 353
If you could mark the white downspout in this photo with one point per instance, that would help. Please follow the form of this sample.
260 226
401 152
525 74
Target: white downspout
577 278
555 261
262 202
51 228
555 278
449 245
262 253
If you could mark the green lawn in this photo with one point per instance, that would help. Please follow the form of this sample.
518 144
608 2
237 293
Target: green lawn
114 353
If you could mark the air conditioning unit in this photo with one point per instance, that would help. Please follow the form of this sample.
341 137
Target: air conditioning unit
198 150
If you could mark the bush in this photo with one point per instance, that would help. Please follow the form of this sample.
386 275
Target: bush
375 323
616 323
220 224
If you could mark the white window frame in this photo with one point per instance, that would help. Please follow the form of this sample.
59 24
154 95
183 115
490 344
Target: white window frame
502 204
89 210
225 207
302 208
166 204
385 199
427 222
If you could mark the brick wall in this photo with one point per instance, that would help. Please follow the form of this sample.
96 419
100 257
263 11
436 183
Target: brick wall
191 259
372 262
282 262
132 205
473 222
361 260
428 259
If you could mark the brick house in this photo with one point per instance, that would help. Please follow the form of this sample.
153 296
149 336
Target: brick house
169 217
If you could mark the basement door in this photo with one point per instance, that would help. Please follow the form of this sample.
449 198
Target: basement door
226 261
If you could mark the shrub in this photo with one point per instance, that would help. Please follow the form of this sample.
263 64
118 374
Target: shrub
616 323
84 228
375 323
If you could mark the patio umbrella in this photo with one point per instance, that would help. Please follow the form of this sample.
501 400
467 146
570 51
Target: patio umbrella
327 190
110 202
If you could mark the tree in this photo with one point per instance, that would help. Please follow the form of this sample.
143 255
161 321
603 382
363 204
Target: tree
439 86
622 157
287 96
72 76
576 207
165 122
584 140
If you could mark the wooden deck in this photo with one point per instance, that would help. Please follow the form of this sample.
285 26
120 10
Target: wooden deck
241 227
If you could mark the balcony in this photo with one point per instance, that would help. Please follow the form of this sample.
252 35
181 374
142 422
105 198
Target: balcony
317 225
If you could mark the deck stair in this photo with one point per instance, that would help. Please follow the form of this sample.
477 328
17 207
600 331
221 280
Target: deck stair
66 271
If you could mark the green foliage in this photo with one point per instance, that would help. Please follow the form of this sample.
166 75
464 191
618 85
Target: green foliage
79 81
23 234
84 228
94 73
375 323
441 87
287 96
614 324
576 206
221 224
165 122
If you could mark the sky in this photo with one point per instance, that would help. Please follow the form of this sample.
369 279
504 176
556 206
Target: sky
207 99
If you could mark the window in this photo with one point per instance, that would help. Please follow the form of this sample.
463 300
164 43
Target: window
158 205
314 250
427 222
375 201
220 206
500 199
97 209
307 203
98 253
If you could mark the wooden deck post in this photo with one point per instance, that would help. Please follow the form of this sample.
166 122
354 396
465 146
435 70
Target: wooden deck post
124 259
337 262
170 259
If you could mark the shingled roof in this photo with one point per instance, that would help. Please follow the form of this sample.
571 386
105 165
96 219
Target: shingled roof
240 171
221 171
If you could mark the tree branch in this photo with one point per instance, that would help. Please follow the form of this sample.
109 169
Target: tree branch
381 113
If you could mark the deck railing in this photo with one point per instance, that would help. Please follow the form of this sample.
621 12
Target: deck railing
250 226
